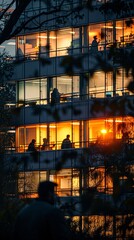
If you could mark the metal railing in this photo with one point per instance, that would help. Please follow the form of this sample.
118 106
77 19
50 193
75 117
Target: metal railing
94 144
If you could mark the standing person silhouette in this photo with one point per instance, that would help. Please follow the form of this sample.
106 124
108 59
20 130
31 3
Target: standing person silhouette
66 143
94 45
41 219
55 96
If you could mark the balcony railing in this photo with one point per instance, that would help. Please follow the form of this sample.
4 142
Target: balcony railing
108 146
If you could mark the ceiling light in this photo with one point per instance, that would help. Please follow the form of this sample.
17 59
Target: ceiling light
76 123
72 32
11 43
42 36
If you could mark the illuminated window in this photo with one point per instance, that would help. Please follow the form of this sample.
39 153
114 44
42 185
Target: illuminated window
32 45
28 182
99 179
52 43
64 38
122 82
94 131
97 222
65 128
68 182
104 129
75 45
33 90
68 87
104 34
43 44
28 45
20 92
26 134
97 85
125 33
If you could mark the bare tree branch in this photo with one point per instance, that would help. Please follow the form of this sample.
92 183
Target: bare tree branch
13 26
6 33
7 9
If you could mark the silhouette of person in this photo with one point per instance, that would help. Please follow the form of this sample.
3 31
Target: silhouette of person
41 219
94 45
66 143
55 96
31 146
45 145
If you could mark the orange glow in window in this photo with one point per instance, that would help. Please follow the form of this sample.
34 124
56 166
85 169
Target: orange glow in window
103 131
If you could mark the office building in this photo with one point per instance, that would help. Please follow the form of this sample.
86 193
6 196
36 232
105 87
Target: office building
93 104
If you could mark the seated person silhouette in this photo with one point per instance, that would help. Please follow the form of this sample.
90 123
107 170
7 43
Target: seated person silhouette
66 143
45 145
31 146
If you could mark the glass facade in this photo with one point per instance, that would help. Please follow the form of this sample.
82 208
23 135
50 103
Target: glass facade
68 181
69 41
39 90
32 91
100 85
52 43
28 183
99 130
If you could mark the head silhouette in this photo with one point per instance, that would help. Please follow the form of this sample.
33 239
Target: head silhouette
45 140
95 37
46 191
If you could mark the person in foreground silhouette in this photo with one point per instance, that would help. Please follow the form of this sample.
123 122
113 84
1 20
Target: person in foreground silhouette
41 219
